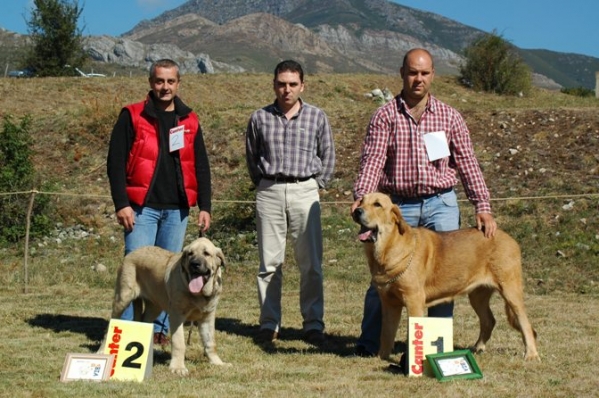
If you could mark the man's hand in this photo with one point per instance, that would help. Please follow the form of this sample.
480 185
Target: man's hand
487 221
126 218
354 206
204 221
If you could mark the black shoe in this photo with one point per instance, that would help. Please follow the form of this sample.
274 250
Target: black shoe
266 336
401 367
361 351
403 362
314 337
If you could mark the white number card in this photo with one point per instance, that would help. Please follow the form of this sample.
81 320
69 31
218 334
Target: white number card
175 138
436 145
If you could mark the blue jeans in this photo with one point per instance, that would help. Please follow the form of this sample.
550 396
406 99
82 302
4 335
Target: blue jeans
162 228
439 213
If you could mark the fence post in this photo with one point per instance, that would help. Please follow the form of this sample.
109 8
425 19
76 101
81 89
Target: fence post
27 226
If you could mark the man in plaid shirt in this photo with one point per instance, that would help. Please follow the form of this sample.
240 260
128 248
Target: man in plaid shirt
415 148
290 155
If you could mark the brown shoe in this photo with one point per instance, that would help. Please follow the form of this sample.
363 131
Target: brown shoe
161 339
314 337
266 336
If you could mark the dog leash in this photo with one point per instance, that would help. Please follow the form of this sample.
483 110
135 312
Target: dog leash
396 277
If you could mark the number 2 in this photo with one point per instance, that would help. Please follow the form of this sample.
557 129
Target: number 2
139 350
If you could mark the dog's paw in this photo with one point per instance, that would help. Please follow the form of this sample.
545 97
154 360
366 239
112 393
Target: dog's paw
180 371
215 360
478 348
532 357
220 363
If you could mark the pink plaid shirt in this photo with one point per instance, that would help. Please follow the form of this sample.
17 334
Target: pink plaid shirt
394 158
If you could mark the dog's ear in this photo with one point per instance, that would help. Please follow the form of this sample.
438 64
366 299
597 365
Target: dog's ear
221 256
184 255
399 221
186 252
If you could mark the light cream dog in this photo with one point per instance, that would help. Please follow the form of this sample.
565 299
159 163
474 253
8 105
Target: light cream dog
416 268
186 285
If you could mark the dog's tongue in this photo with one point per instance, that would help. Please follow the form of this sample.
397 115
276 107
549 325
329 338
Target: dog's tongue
196 285
364 236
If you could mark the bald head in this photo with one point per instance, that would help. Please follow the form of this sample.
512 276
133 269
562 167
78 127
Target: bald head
416 53
417 73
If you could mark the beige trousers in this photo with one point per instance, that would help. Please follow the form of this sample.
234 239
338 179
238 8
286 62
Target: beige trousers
293 208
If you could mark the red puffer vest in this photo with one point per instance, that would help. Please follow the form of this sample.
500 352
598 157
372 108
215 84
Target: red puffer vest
144 155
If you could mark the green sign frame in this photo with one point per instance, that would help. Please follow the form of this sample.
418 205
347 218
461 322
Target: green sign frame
455 365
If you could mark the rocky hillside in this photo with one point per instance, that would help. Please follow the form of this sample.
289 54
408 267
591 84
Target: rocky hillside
335 36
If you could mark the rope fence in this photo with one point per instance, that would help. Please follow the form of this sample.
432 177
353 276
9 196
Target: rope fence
539 197
32 194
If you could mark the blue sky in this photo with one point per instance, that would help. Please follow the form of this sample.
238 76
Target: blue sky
559 26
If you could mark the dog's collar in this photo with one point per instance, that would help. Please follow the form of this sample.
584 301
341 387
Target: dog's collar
396 277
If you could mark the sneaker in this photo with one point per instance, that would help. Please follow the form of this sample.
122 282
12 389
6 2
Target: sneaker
314 337
361 351
161 339
266 336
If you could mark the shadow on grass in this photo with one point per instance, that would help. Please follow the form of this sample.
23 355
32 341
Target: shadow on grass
343 346
94 329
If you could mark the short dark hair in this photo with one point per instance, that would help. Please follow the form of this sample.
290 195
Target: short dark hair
164 63
289 66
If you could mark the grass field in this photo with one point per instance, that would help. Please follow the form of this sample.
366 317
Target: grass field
57 317
539 156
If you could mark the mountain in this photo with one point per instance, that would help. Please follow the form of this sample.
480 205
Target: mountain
12 48
570 70
332 36
336 36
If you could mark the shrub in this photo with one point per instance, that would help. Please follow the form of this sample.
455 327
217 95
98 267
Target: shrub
492 65
578 91
17 175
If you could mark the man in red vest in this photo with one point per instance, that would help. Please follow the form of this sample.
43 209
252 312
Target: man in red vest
158 169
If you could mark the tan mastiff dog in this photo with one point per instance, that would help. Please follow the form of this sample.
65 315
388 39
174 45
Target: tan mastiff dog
187 285
416 268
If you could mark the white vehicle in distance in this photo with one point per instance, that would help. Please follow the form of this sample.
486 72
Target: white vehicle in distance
89 74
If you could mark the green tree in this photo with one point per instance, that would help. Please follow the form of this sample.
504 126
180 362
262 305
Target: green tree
56 39
493 65
17 175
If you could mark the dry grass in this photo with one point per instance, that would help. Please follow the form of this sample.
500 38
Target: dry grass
70 317
67 306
